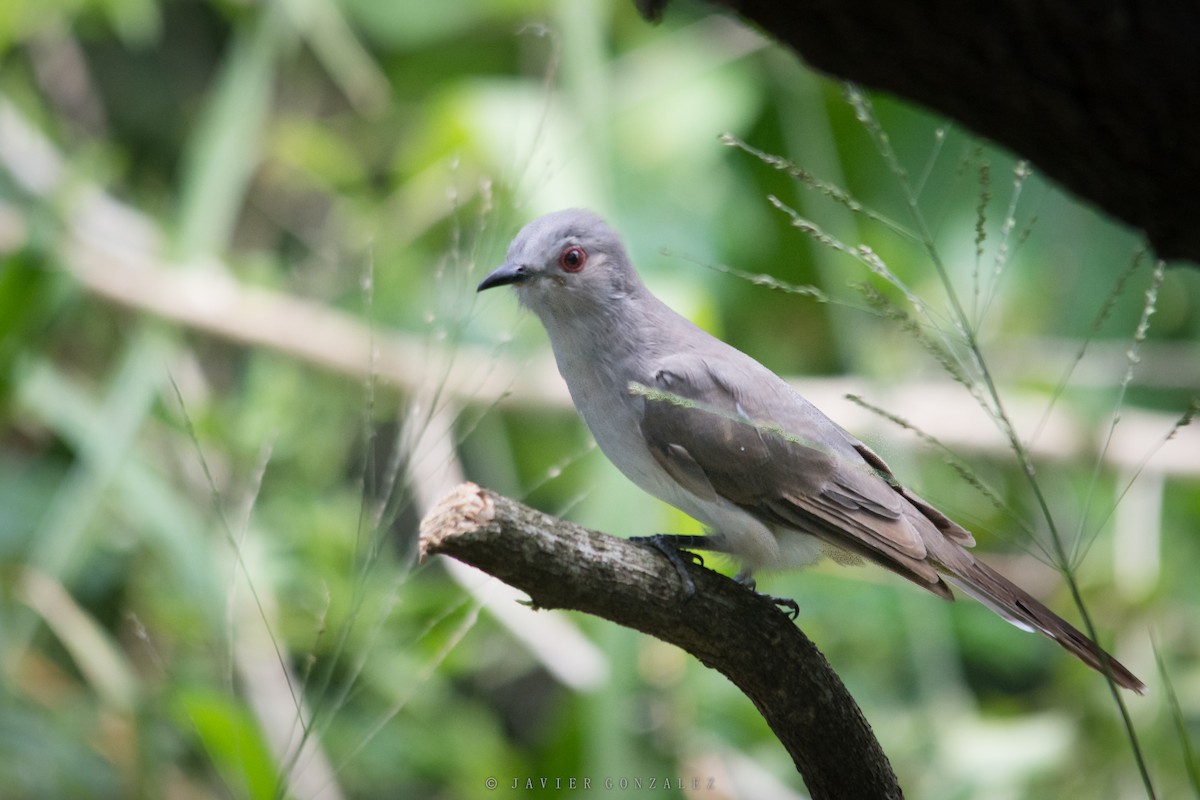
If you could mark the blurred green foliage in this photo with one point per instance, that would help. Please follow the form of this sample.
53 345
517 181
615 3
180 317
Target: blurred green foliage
202 540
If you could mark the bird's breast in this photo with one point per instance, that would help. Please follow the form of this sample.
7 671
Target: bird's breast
600 391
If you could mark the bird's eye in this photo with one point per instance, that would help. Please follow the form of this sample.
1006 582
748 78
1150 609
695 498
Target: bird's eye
572 259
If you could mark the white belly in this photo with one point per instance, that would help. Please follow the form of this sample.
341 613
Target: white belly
616 428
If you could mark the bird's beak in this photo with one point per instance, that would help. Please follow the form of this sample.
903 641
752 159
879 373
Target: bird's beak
504 275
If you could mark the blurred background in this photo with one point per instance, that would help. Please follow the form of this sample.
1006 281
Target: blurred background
241 355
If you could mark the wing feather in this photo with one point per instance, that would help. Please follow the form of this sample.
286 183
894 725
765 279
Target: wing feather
776 456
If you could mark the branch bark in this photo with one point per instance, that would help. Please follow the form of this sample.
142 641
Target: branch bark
1099 96
734 631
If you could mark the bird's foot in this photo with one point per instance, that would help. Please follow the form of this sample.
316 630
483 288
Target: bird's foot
785 604
671 546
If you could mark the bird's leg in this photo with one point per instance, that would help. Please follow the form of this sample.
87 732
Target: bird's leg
671 546
785 604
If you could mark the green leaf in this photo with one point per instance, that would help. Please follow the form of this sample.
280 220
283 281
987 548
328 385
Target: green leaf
233 741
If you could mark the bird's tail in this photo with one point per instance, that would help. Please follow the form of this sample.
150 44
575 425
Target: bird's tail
1021 609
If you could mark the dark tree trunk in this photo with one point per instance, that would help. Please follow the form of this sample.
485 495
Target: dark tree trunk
1102 96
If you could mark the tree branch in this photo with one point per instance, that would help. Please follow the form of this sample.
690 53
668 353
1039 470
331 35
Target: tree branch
736 632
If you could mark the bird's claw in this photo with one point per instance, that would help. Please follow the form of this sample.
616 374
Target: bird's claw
672 548
663 544
785 604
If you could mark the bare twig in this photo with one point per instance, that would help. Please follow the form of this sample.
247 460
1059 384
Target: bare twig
734 631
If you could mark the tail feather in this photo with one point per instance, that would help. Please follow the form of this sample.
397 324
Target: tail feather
1021 609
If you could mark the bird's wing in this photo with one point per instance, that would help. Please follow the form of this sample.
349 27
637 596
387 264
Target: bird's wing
772 453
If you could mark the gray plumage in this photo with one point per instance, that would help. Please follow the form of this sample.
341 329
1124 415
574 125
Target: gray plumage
704 427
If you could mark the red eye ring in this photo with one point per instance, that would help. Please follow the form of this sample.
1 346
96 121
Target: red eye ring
572 259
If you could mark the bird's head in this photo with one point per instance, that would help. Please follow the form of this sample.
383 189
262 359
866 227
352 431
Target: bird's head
567 263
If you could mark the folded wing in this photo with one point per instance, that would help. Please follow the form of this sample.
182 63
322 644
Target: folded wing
775 455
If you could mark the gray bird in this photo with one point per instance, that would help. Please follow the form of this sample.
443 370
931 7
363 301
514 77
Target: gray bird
706 428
